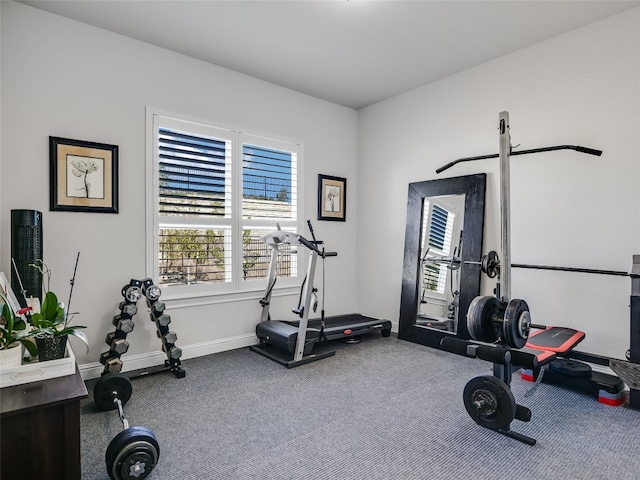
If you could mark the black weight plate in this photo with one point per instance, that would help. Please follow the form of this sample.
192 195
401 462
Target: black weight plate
103 392
482 312
570 368
515 329
490 264
490 402
131 293
133 453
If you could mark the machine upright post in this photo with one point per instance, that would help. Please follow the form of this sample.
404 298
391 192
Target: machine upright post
272 277
505 211
308 292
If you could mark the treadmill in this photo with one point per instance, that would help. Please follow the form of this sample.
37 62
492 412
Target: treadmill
291 342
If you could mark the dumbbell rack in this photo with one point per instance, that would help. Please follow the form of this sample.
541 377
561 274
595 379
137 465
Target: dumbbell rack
117 340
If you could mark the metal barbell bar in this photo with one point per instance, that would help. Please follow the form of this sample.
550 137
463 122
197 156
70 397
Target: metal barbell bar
135 451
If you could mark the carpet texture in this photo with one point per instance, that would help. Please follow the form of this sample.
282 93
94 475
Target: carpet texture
382 409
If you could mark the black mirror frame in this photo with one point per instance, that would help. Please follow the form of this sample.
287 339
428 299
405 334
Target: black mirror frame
473 187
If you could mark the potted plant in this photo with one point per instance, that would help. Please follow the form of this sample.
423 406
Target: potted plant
52 323
13 334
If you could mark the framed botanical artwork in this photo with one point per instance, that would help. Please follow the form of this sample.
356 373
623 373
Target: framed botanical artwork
83 176
332 198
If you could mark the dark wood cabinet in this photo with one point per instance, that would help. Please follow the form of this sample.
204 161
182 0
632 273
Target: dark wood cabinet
40 429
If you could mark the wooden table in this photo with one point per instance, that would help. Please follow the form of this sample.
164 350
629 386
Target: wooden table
40 424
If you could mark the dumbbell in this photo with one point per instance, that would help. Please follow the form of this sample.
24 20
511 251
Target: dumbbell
172 352
135 451
169 336
118 345
123 322
112 364
127 308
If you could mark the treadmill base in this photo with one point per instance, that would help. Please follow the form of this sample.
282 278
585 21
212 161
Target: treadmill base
275 355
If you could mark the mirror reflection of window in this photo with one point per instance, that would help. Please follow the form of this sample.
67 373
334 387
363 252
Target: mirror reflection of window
437 233
441 233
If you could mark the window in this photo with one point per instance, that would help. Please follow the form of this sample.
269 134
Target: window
216 193
438 225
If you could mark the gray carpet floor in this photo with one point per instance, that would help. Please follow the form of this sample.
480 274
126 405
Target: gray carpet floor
382 409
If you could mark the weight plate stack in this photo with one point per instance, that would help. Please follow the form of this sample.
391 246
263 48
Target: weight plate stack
516 325
133 453
481 319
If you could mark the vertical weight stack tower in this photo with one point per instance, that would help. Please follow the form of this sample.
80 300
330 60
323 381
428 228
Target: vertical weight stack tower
26 248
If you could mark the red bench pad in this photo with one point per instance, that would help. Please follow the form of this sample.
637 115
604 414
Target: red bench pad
555 339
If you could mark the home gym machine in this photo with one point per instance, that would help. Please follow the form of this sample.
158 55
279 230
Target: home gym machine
134 452
501 323
117 340
291 343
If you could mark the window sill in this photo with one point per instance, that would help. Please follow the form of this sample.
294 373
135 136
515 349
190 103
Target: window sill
197 300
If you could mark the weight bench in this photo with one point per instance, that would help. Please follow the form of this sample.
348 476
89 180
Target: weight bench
488 399
570 373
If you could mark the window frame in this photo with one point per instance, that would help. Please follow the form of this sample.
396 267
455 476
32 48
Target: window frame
237 288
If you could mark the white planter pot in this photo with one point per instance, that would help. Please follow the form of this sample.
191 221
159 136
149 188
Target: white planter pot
11 357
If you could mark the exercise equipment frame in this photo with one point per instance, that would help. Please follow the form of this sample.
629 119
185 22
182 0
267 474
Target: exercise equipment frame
281 338
505 360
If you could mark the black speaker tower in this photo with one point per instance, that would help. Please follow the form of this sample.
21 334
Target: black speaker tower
26 248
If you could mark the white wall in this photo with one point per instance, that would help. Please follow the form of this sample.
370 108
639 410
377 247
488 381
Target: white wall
568 209
64 78
67 79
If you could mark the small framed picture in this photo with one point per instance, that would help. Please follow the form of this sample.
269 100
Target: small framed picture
83 176
332 198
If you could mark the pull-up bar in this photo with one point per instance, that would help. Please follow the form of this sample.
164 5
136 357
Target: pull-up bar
506 151
577 148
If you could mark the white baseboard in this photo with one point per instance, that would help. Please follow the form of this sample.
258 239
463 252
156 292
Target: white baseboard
147 360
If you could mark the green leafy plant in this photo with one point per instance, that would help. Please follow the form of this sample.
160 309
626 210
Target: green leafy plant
14 329
52 319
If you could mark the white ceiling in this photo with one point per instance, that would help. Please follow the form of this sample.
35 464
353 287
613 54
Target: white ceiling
353 53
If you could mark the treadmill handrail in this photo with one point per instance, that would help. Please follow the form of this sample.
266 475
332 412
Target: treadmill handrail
313 246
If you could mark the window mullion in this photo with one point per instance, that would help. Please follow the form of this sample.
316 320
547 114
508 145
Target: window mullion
152 222
236 216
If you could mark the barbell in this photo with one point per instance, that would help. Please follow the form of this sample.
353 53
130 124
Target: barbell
134 452
489 263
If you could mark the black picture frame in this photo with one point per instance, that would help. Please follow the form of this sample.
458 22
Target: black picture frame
83 176
332 198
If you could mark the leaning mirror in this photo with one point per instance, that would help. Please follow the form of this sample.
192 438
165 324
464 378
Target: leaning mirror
443 239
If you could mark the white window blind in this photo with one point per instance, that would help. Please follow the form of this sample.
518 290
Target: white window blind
218 191
437 225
